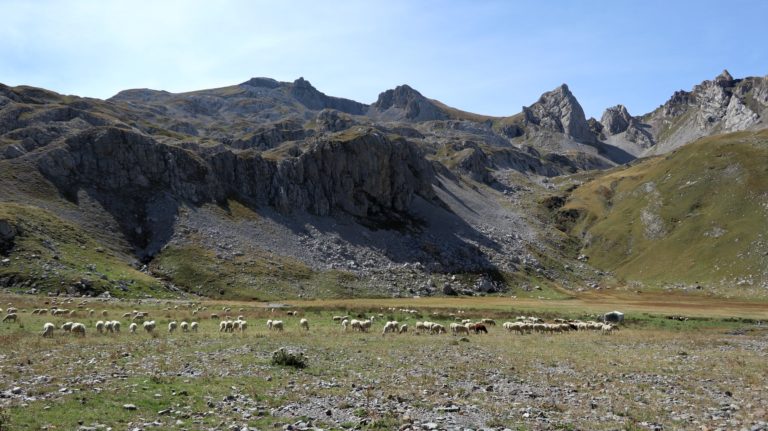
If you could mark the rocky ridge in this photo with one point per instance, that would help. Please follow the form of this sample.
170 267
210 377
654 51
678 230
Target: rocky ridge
405 186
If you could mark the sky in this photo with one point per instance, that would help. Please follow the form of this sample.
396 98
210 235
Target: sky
482 56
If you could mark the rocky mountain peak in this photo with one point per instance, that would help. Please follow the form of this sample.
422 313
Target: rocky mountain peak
262 82
405 103
398 97
559 111
615 120
724 77
303 91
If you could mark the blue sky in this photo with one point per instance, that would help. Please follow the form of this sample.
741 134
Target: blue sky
489 57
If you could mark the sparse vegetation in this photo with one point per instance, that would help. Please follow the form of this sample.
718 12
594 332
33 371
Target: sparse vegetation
660 368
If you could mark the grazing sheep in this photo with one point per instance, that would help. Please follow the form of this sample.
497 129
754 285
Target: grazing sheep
149 326
132 328
608 328
242 326
104 313
304 324
127 315
48 329
291 313
345 324
356 325
339 318
172 326
193 326
100 327
489 322
12 317
108 326
226 326
67 327
78 329
277 325
215 317
269 324
421 327
116 326
457 329
437 328
403 328
365 325
11 310
184 326
391 326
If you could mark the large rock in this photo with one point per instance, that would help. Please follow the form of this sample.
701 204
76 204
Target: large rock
8 234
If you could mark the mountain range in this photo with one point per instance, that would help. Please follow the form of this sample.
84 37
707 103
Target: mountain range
271 189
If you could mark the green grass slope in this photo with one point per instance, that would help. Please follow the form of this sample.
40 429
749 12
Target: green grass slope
697 215
50 254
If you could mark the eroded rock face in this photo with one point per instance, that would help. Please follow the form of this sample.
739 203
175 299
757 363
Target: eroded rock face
331 120
363 175
616 120
559 111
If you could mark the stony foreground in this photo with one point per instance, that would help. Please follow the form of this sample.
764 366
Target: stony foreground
654 373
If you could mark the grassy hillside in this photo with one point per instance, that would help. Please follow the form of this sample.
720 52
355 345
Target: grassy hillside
697 215
53 255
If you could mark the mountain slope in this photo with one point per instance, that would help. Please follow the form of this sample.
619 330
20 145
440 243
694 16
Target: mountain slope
717 106
696 215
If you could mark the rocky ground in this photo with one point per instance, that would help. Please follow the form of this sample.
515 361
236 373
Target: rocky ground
650 375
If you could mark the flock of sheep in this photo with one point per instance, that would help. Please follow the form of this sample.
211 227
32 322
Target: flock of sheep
521 325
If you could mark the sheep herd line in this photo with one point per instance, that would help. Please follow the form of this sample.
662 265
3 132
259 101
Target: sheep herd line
522 324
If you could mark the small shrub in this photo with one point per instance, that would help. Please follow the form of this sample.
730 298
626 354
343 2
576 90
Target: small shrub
289 358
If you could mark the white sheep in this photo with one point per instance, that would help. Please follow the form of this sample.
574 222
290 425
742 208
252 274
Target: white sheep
78 329
67 327
193 326
403 328
116 325
365 325
277 325
269 324
48 329
172 326
11 310
149 326
108 326
340 318
391 326
184 326
345 324
489 322
304 323
100 326
132 328
356 325
457 328
437 328
242 325
12 317
104 313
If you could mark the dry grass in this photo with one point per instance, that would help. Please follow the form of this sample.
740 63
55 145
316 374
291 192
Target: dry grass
655 370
